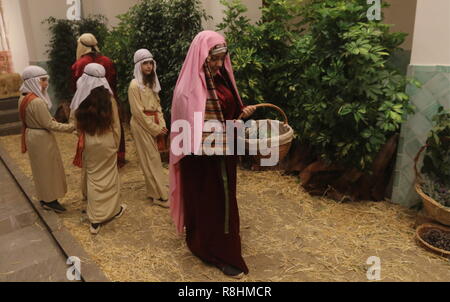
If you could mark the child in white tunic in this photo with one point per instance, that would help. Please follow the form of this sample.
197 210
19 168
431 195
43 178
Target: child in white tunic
98 126
148 126
38 138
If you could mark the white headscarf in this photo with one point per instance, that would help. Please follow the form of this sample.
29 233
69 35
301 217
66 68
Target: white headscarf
141 56
87 43
93 77
31 83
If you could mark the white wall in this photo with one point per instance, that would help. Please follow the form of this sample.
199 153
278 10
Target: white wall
33 12
109 8
112 8
29 37
36 33
215 10
16 34
431 42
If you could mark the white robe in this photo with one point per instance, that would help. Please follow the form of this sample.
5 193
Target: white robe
144 130
45 159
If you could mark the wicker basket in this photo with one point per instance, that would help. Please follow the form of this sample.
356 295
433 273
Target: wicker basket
426 227
433 208
283 141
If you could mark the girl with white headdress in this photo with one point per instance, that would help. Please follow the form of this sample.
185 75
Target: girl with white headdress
148 126
89 52
38 139
98 125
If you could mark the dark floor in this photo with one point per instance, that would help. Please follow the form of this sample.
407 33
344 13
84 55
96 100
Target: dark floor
27 251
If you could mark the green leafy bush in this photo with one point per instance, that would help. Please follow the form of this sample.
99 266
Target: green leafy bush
63 45
164 27
329 72
259 51
436 162
61 55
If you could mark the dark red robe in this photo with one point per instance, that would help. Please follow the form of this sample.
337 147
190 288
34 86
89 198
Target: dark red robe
111 77
203 189
111 74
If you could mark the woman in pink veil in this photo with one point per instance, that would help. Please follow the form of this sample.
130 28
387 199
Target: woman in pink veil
203 188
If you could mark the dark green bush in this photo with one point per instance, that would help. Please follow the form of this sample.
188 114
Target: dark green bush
164 27
61 55
259 51
63 45
95 25
436 162
330 73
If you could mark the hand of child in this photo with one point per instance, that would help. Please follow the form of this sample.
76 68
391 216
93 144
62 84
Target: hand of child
164 131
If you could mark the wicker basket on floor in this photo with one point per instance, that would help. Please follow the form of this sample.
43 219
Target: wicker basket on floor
422 229
433 208
283 141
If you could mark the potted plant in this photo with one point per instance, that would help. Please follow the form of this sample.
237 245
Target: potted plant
433 183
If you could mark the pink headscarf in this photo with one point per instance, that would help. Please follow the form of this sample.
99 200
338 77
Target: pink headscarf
189 97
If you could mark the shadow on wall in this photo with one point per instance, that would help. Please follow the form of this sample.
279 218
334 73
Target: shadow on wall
400 60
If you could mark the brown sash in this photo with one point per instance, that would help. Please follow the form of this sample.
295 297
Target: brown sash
161 140
22 113
78 160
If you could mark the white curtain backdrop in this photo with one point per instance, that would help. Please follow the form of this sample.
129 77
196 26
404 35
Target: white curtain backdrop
4 43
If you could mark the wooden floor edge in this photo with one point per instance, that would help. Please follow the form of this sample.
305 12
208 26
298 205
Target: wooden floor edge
69 245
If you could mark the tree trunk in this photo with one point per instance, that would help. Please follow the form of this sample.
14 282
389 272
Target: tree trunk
319 178
315 167
373 187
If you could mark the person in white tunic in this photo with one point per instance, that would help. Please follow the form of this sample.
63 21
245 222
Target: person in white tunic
98 125
38 138
148 126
